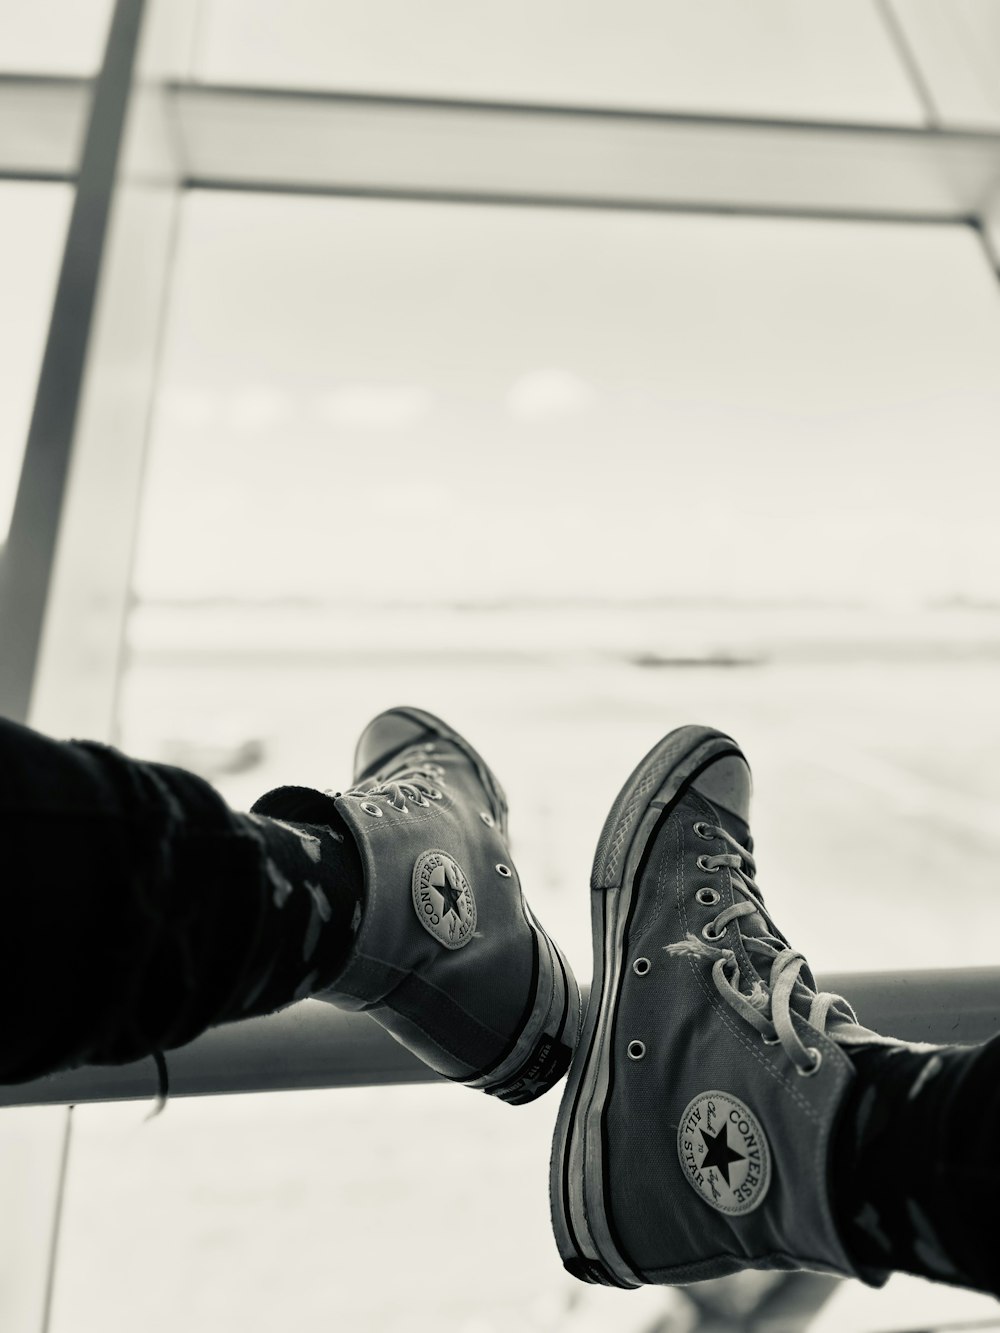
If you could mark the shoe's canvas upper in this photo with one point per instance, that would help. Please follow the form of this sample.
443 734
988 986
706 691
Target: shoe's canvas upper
699 1188
447 956
718 1147
697 1130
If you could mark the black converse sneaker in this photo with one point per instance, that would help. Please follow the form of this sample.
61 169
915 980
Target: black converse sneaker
694 1135
447 955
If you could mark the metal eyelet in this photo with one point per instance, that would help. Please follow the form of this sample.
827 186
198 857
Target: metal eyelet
817 1056
501 869
487 819
636 1050
700 830
771 1041
707 933
702 864
641 966
370 808
708 897
434 794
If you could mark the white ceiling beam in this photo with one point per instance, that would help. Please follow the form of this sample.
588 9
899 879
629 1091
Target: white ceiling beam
245 139
256 139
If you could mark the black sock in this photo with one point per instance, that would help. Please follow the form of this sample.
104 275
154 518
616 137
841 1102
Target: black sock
317 884
916 1165
275 931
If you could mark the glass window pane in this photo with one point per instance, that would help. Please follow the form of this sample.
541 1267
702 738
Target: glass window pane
54 36
831 59
547 466
522 372
513 462
33 221
579 477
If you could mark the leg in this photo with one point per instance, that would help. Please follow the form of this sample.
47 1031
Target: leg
141 910
138 909
917 1161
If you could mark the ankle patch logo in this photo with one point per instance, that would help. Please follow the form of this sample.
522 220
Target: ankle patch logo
723 1152
442 899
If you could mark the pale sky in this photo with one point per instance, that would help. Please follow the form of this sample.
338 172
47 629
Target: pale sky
381 400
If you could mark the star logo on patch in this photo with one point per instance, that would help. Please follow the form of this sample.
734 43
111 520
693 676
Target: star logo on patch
718 1152
724 1153
443 879
443 899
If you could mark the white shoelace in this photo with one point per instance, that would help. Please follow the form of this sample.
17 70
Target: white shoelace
767 1006
410 777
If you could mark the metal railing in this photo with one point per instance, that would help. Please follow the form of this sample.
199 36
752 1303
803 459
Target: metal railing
313 1045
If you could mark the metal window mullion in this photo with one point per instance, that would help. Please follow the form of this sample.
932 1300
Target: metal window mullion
66 568
29 556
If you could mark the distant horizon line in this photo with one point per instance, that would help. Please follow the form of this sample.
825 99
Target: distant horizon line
529 602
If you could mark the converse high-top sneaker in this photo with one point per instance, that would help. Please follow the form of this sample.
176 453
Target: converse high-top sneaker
447 955
694 1135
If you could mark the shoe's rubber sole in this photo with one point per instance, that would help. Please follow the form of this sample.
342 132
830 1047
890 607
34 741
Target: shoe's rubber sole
581 1219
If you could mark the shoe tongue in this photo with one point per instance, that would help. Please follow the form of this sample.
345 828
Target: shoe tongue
728 786
735 827
726 783
387 737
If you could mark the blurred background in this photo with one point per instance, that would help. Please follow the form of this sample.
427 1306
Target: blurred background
574 371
